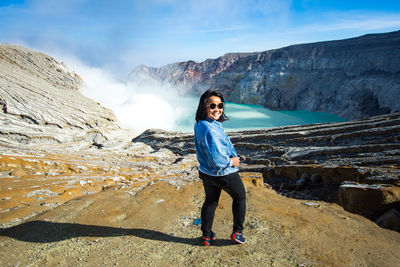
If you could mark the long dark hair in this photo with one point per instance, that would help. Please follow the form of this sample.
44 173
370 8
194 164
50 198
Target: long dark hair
201 113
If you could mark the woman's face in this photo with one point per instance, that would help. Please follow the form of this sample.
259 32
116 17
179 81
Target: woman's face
214 107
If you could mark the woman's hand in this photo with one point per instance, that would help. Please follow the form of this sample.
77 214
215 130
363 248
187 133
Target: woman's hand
235 161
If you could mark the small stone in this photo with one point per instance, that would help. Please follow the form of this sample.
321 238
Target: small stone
312 204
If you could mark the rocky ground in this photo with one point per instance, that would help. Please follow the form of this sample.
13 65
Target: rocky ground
155 228
106 207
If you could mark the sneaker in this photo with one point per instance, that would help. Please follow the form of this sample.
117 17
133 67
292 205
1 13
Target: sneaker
212 237
238 237
206 241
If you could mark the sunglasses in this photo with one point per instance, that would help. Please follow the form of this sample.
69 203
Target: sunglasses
213 106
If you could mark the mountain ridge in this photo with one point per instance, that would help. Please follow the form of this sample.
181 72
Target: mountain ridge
353 78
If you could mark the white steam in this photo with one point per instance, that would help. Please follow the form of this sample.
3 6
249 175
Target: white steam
138 106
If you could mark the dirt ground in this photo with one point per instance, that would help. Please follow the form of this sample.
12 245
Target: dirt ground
155 228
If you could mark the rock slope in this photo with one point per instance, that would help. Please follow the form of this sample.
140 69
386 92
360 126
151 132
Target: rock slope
353 78
40 102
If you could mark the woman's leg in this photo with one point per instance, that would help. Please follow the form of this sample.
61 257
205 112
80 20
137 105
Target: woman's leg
236 190
208 209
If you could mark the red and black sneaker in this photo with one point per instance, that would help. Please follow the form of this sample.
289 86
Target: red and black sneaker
206 241
238 237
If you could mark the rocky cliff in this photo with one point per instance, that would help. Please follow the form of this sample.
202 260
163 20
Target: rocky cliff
353 78
41 102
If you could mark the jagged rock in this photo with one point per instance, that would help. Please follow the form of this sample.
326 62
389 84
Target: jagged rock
353 78
177 142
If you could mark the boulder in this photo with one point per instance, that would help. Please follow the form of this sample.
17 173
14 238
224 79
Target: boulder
368 200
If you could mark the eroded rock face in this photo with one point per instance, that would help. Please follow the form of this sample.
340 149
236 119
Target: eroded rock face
354 78
40 102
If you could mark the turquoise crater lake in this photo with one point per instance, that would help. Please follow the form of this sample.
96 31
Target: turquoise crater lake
246 117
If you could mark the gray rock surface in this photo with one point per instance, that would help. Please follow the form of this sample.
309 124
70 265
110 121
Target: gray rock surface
353 78
41 102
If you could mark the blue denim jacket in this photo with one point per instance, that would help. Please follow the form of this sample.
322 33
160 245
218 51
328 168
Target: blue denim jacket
213 148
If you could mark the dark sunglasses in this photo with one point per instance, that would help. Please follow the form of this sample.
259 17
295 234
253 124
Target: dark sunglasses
213 106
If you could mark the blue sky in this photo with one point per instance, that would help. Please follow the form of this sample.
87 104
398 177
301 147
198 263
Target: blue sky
120 35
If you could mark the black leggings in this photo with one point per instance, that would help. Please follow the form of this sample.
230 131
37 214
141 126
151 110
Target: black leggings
233 185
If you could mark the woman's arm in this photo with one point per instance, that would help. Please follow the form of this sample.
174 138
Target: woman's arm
216 153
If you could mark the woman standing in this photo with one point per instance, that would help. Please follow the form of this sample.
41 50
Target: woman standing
218 166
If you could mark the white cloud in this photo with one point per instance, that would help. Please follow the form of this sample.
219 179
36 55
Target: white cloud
354 21
123 34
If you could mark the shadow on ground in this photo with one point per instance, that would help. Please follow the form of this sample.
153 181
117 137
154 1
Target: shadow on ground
46 232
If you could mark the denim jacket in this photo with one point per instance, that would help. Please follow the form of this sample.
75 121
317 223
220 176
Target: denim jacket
213 148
